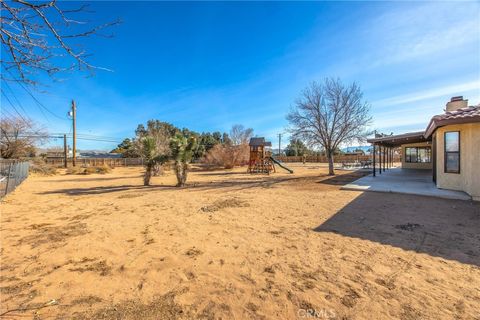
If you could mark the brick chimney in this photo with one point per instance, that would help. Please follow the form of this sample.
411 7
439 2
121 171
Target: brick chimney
456 103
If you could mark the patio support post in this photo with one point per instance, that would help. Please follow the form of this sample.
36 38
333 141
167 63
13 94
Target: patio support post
384 157
388 158
380 159
391 164
373 160
391 157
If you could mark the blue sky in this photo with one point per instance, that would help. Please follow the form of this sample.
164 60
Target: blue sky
209 65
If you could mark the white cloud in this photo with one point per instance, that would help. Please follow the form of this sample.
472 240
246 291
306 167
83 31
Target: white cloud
429 94
421 31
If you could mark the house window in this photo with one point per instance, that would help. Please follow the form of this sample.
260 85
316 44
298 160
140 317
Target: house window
418 155
452 152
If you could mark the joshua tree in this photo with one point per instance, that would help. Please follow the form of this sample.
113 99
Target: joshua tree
182 148
153 154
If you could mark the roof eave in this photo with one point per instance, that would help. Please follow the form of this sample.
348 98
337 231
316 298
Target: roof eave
435 124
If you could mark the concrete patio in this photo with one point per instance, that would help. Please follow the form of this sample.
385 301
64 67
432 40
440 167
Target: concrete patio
409 181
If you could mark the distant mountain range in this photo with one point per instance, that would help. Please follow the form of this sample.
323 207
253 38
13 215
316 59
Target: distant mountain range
365 149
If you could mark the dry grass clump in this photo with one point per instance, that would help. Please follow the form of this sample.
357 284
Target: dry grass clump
225 203
227 156
53 235
39 166
89 170
100 267
162 307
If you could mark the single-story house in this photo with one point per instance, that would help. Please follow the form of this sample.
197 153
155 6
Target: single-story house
449 147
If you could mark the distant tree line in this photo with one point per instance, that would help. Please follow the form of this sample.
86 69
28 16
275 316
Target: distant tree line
297 148
160 142
205 140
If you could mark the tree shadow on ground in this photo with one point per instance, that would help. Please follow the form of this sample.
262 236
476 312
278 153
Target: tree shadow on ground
255 181
98 178
438 227
223 173
106 189
343 179
236 184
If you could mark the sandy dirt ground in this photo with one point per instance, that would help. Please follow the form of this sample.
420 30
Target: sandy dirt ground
234 246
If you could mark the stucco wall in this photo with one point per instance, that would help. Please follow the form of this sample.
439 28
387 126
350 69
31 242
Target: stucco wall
416 165
468 179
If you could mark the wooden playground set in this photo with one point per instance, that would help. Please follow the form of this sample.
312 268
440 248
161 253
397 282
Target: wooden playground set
261 159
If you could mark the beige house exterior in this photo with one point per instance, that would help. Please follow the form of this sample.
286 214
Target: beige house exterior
468 179
416 165
449 147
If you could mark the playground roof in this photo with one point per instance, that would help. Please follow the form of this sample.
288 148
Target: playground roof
256 142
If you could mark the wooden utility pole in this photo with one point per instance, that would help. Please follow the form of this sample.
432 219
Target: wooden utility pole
65 149
279 144
74 118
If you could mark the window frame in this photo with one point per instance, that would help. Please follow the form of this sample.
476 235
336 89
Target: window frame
445 152
408 159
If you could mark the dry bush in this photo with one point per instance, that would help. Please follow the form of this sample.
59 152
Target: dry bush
18 136
75 170
39 166
89 170
160 169
227 156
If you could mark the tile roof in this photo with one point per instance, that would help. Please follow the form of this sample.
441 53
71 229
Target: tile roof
465 115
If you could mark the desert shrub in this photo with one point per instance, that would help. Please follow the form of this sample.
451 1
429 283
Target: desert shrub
39 166
227 156
75 170
103 169
161 168
89 170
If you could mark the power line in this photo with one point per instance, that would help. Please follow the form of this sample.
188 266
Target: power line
61 136
36 100
7 113
11 104
15 97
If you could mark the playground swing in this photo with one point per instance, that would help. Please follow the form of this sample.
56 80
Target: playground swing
261 160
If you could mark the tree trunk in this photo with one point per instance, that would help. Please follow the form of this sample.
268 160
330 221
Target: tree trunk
331 172
179 173
184 173
148 175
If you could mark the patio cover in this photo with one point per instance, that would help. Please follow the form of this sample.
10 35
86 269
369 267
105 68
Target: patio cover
399 139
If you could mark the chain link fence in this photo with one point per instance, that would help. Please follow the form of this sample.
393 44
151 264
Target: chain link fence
12 173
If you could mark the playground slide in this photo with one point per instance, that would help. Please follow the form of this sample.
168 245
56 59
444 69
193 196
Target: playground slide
280 164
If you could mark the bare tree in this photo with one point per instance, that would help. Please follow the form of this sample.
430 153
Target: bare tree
240 135
36 36
329 114
18 137
234 151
